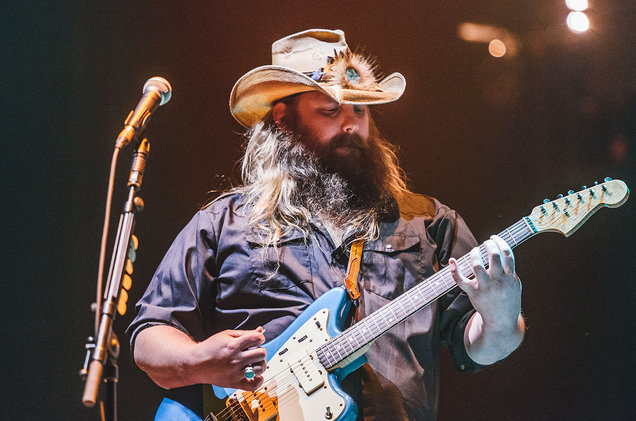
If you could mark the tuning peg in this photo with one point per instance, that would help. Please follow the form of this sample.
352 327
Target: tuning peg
583 187
596 183
546 200
559 196
607 179
570 191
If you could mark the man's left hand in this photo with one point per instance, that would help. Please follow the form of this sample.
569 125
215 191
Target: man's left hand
494 292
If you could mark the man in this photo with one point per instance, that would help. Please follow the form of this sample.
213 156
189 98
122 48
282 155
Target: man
317 176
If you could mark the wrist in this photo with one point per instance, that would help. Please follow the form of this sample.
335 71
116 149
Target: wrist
502 326
487 343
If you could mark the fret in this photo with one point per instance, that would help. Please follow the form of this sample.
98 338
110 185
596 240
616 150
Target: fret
448 279
426 290
365 330
391 319
401 303
464 267
337 348
344 344
398 310
432 281
351 337
412 296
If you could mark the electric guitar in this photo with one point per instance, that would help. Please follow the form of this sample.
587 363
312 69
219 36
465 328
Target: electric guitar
313 355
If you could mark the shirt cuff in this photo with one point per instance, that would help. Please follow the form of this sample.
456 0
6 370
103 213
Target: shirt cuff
462 360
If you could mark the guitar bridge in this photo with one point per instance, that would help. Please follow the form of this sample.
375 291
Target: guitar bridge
250 406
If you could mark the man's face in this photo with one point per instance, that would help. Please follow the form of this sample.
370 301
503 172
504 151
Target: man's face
325 124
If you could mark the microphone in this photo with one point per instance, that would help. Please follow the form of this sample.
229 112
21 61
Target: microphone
157 91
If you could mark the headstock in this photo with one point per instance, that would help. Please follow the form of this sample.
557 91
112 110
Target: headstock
567 214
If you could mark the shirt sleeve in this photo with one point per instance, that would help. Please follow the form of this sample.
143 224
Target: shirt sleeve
180 293
454 239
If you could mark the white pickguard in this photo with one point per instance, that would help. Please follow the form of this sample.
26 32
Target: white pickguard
296 382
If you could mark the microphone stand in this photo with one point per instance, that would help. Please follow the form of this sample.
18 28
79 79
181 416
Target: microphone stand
102 351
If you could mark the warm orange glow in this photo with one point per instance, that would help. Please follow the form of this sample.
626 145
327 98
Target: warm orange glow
497 48
504 41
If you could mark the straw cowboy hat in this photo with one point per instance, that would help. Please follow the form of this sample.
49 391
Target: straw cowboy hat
312 60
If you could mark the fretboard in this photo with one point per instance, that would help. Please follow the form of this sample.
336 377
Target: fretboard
376 324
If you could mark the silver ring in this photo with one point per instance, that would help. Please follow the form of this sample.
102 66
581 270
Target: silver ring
249 373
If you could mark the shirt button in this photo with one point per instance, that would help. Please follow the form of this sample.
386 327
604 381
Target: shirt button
388 247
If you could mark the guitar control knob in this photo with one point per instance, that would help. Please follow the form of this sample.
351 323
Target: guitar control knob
328 413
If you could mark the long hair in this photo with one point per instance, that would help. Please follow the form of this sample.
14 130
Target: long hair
272 169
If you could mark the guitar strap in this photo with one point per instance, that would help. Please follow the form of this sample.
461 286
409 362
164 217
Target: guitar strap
353 269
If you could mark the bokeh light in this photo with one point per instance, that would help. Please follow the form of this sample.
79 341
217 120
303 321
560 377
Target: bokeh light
578 22
576 5
497 48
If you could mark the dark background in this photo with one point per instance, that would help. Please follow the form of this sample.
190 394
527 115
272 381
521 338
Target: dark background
489 137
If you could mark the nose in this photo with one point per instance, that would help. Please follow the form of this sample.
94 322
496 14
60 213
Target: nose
350 123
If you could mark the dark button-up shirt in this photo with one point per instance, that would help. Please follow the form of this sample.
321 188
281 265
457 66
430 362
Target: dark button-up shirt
217 275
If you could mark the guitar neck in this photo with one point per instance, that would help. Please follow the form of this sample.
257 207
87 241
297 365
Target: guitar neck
363 333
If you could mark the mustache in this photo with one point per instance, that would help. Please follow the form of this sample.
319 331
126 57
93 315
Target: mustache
346 140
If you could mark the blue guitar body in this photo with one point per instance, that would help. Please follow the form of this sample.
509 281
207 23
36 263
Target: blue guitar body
296 385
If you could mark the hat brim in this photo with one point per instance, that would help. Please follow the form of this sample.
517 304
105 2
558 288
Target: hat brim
254 94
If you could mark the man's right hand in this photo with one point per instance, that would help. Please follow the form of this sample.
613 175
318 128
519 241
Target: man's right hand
221 359
172 359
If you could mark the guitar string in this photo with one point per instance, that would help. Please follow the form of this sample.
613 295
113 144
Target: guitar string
285 380
355 332
511 232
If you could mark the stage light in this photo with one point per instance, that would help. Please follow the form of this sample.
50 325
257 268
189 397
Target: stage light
500 41
497 48
578 22
576 5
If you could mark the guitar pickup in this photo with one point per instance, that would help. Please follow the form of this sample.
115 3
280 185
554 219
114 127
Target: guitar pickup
307 374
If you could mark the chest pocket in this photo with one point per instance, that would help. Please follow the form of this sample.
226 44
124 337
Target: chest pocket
392 265
281 267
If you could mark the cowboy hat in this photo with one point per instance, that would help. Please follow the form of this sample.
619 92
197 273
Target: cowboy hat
312 60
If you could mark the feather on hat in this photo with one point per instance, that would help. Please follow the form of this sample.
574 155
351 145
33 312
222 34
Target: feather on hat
313 60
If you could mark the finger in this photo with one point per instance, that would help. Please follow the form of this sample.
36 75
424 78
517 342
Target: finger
462 282
259 367
254 355
249 340
238 333
507 257
477 264
494 257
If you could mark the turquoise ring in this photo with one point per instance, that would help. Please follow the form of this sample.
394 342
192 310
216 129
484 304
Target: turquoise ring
249 372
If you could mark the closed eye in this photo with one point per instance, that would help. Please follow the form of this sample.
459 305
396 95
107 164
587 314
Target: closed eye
359 109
